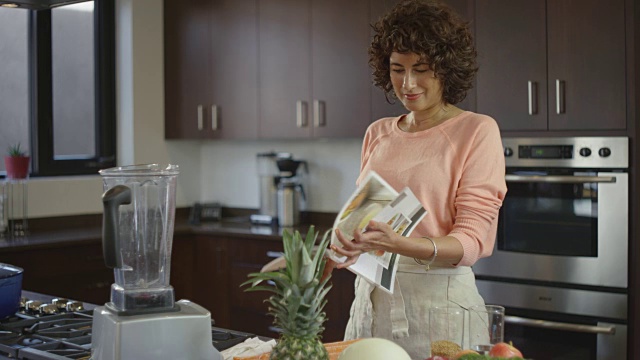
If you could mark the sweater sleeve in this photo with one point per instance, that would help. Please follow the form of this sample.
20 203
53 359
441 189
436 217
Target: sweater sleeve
480 192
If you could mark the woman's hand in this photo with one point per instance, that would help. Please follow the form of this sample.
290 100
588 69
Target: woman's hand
377 236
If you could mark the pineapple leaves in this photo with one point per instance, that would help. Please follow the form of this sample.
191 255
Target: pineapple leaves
298 290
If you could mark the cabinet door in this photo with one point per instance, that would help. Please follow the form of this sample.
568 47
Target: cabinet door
586 65
232 111
186 54
212 278
285 68
182 267
511 81
340 83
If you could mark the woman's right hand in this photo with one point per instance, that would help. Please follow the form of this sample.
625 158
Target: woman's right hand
347 249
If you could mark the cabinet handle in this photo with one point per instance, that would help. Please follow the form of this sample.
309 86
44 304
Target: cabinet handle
301 113
533 97
274 254
559 97
200 117
275 329
214 117
319 118
271 282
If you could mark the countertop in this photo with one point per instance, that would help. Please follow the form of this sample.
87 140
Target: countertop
91 231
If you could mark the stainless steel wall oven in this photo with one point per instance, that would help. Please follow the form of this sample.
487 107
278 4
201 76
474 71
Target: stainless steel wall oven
560 262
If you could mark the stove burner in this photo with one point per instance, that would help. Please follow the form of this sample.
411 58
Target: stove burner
67 335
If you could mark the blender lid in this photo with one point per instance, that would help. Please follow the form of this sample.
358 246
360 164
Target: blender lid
143 169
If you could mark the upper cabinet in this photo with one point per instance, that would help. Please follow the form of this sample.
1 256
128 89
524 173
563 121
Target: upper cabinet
313 71
211 69
552 65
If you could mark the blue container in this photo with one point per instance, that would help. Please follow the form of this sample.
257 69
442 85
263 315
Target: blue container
10 289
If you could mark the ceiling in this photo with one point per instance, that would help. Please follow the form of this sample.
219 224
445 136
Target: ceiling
40 4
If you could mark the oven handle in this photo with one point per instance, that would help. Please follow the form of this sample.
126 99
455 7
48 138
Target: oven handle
516 320
561 179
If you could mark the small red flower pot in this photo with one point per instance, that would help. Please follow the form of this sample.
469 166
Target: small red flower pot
17 166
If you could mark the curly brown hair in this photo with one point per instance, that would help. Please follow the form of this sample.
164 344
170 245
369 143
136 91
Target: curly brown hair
433 31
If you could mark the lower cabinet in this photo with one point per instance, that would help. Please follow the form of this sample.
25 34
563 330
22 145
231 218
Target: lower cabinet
72 270
222 265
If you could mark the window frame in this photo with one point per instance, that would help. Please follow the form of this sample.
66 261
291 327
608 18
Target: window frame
43 161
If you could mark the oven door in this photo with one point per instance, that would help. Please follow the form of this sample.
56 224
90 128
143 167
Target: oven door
559 323
566 226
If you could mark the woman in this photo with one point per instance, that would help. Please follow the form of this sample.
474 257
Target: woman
423 55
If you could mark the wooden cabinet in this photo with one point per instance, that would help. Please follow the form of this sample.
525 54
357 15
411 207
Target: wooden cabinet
73 270
223 264
183 266
546 65
314 77
211 66
211 278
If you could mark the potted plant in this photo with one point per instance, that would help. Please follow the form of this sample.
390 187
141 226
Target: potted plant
16 162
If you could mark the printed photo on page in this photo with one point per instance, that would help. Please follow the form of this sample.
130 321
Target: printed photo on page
376 200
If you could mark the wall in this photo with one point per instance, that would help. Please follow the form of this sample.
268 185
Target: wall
210 171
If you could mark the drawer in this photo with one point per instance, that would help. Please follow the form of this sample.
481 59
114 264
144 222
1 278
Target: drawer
255 252
58 261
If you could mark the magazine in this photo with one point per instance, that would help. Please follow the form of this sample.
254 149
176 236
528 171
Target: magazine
376 200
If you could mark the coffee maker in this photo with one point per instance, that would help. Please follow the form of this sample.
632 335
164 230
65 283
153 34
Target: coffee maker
291 197
143 320
278 173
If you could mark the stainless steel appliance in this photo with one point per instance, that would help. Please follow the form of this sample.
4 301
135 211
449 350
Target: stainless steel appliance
139 212
268 178
560 260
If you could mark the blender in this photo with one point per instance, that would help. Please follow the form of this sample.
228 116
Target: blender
143 320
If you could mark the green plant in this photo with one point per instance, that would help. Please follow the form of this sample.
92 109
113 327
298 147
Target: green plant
16 151
298 297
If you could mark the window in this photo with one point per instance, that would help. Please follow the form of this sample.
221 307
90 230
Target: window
57 87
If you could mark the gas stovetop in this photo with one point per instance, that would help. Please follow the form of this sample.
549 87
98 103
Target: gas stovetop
40 332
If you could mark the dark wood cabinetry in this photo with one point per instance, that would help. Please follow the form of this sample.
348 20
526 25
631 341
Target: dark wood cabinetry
211 66
546 65
72 270
223 264
314 78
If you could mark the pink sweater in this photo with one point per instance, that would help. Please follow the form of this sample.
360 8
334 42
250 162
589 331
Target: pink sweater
456 169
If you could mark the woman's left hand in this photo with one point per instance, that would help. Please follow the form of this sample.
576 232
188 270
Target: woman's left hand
377 236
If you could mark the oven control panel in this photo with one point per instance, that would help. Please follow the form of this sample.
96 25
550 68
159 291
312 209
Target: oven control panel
569 152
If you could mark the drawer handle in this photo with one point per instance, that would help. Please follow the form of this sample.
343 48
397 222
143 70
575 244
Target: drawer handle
274 254
275 329
271 282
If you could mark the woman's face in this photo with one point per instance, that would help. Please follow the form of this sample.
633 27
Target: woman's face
414 82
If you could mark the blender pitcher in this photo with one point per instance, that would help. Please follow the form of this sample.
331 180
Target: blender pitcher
139 211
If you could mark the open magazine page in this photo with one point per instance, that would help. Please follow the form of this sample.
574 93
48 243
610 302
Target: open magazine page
376 200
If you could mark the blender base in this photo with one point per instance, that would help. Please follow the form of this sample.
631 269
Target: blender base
185 334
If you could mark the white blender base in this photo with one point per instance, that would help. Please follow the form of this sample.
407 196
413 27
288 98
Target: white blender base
184 334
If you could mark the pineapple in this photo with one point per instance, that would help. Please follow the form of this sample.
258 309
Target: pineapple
298 297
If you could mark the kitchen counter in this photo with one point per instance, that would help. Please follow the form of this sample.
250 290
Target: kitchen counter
69 231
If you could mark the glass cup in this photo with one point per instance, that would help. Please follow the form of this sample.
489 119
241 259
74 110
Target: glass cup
446 330
486 327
